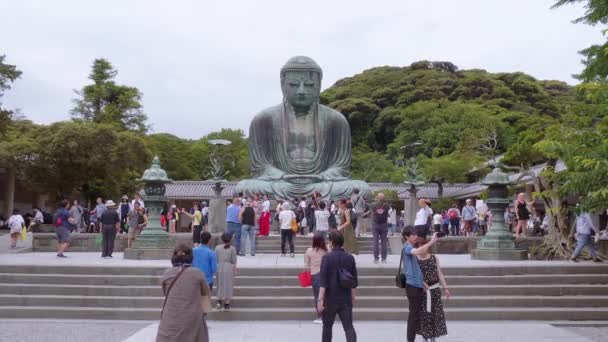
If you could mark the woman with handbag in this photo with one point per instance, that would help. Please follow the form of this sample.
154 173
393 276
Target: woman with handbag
186 301
312 262
432 320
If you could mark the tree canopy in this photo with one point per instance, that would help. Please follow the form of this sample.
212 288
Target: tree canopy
106 102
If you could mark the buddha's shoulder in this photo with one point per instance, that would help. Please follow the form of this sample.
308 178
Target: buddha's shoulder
270 113
332 113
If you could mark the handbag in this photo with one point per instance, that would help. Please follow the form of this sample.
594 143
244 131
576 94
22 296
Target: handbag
305 279
400 277
345 278
23 234
294 225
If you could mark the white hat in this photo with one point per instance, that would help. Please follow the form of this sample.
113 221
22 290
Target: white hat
110 203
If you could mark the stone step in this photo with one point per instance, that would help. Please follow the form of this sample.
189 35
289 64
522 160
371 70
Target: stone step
379 270
287 291
292 280
304 301
264 314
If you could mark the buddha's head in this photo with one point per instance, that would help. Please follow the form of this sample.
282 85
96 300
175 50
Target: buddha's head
301 82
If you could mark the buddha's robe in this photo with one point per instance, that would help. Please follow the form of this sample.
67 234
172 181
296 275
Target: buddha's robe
293 157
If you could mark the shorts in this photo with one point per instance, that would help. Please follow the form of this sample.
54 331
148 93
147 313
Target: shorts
468 225
133 232
63 234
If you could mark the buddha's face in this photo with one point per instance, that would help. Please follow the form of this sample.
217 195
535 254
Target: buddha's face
301 89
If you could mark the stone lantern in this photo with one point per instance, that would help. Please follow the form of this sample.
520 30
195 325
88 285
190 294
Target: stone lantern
498 243
153 242
217 204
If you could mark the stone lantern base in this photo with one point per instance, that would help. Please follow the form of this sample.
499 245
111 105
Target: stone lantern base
499 254
148 254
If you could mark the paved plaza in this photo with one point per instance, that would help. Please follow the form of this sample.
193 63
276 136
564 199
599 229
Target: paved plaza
141 331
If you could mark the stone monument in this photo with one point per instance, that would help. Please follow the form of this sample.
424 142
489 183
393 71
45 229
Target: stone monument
153 242
300 146
498 243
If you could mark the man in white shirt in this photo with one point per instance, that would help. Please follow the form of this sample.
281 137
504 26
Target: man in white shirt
421 225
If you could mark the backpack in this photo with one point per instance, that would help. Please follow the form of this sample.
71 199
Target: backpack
57 221
452 214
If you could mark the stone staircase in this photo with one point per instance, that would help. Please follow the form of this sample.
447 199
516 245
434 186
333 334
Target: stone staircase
576 292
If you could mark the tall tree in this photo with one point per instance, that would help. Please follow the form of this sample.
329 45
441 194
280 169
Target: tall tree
8 74
106 102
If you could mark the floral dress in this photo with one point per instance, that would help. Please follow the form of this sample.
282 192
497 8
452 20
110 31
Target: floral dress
432 324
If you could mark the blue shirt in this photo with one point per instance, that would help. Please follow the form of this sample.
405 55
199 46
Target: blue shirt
411 269
232 213
64 214
584 224
205 260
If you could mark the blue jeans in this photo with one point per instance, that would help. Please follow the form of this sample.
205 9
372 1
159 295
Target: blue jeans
379 231
235 229
583 240
247 231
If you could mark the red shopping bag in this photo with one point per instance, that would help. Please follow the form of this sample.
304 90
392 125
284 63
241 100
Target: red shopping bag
305 279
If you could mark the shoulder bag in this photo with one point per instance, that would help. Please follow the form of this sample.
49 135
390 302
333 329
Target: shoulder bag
346 278
400 277
179 274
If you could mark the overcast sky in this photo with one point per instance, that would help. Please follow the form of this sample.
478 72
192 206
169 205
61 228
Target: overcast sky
204 65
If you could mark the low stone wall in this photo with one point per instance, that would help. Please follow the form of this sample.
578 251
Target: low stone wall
46 242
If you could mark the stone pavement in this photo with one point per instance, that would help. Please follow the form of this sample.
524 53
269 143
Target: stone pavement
385 332
22 246
40 330
12 330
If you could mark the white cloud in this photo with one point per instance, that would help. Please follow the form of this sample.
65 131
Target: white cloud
204 65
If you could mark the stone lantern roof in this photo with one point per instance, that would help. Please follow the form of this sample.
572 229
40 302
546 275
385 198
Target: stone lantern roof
155 173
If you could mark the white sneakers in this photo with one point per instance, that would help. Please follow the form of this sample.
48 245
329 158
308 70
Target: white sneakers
318 321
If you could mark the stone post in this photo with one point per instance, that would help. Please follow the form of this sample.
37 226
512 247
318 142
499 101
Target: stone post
498 243
217 210
411 206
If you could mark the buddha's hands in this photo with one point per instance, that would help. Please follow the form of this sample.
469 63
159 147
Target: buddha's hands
302 179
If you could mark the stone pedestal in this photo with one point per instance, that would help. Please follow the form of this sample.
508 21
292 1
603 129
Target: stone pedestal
217 210
411 206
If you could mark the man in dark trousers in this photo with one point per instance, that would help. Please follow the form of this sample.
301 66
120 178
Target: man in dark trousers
380 227
110 223
333 297
414 284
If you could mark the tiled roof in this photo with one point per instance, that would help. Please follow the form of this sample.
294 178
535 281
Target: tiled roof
197 190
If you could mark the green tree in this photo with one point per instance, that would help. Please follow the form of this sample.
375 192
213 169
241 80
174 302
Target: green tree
8 74
175 156
92 158
106 102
